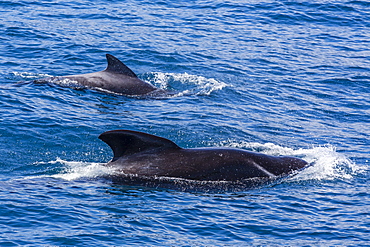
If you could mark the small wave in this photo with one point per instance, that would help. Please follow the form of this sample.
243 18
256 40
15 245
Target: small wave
27 75
326 162
74 170
184 83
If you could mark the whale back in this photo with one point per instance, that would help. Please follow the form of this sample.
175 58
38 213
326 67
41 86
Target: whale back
127 142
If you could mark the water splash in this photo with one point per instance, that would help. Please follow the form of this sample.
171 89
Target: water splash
326 162
76 169
185 83
27 75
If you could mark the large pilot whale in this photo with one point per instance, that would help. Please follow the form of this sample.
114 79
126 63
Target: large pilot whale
141 156
116 78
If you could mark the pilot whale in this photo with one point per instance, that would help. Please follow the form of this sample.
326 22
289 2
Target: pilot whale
116 78
141 156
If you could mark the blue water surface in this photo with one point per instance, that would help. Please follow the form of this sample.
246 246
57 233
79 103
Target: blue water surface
278 77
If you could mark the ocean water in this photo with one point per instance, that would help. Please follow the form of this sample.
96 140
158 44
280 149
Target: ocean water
278 77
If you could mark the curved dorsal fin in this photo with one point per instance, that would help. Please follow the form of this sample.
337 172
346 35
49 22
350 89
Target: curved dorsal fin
116 66
127 142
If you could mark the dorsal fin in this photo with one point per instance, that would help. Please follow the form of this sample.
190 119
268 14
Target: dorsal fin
127 142
116 66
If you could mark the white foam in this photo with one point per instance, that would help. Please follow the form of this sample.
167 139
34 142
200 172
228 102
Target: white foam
76 169
28 75
200 85
326 162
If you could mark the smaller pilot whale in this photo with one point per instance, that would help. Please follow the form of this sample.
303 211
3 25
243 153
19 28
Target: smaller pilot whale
143 156
116 78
